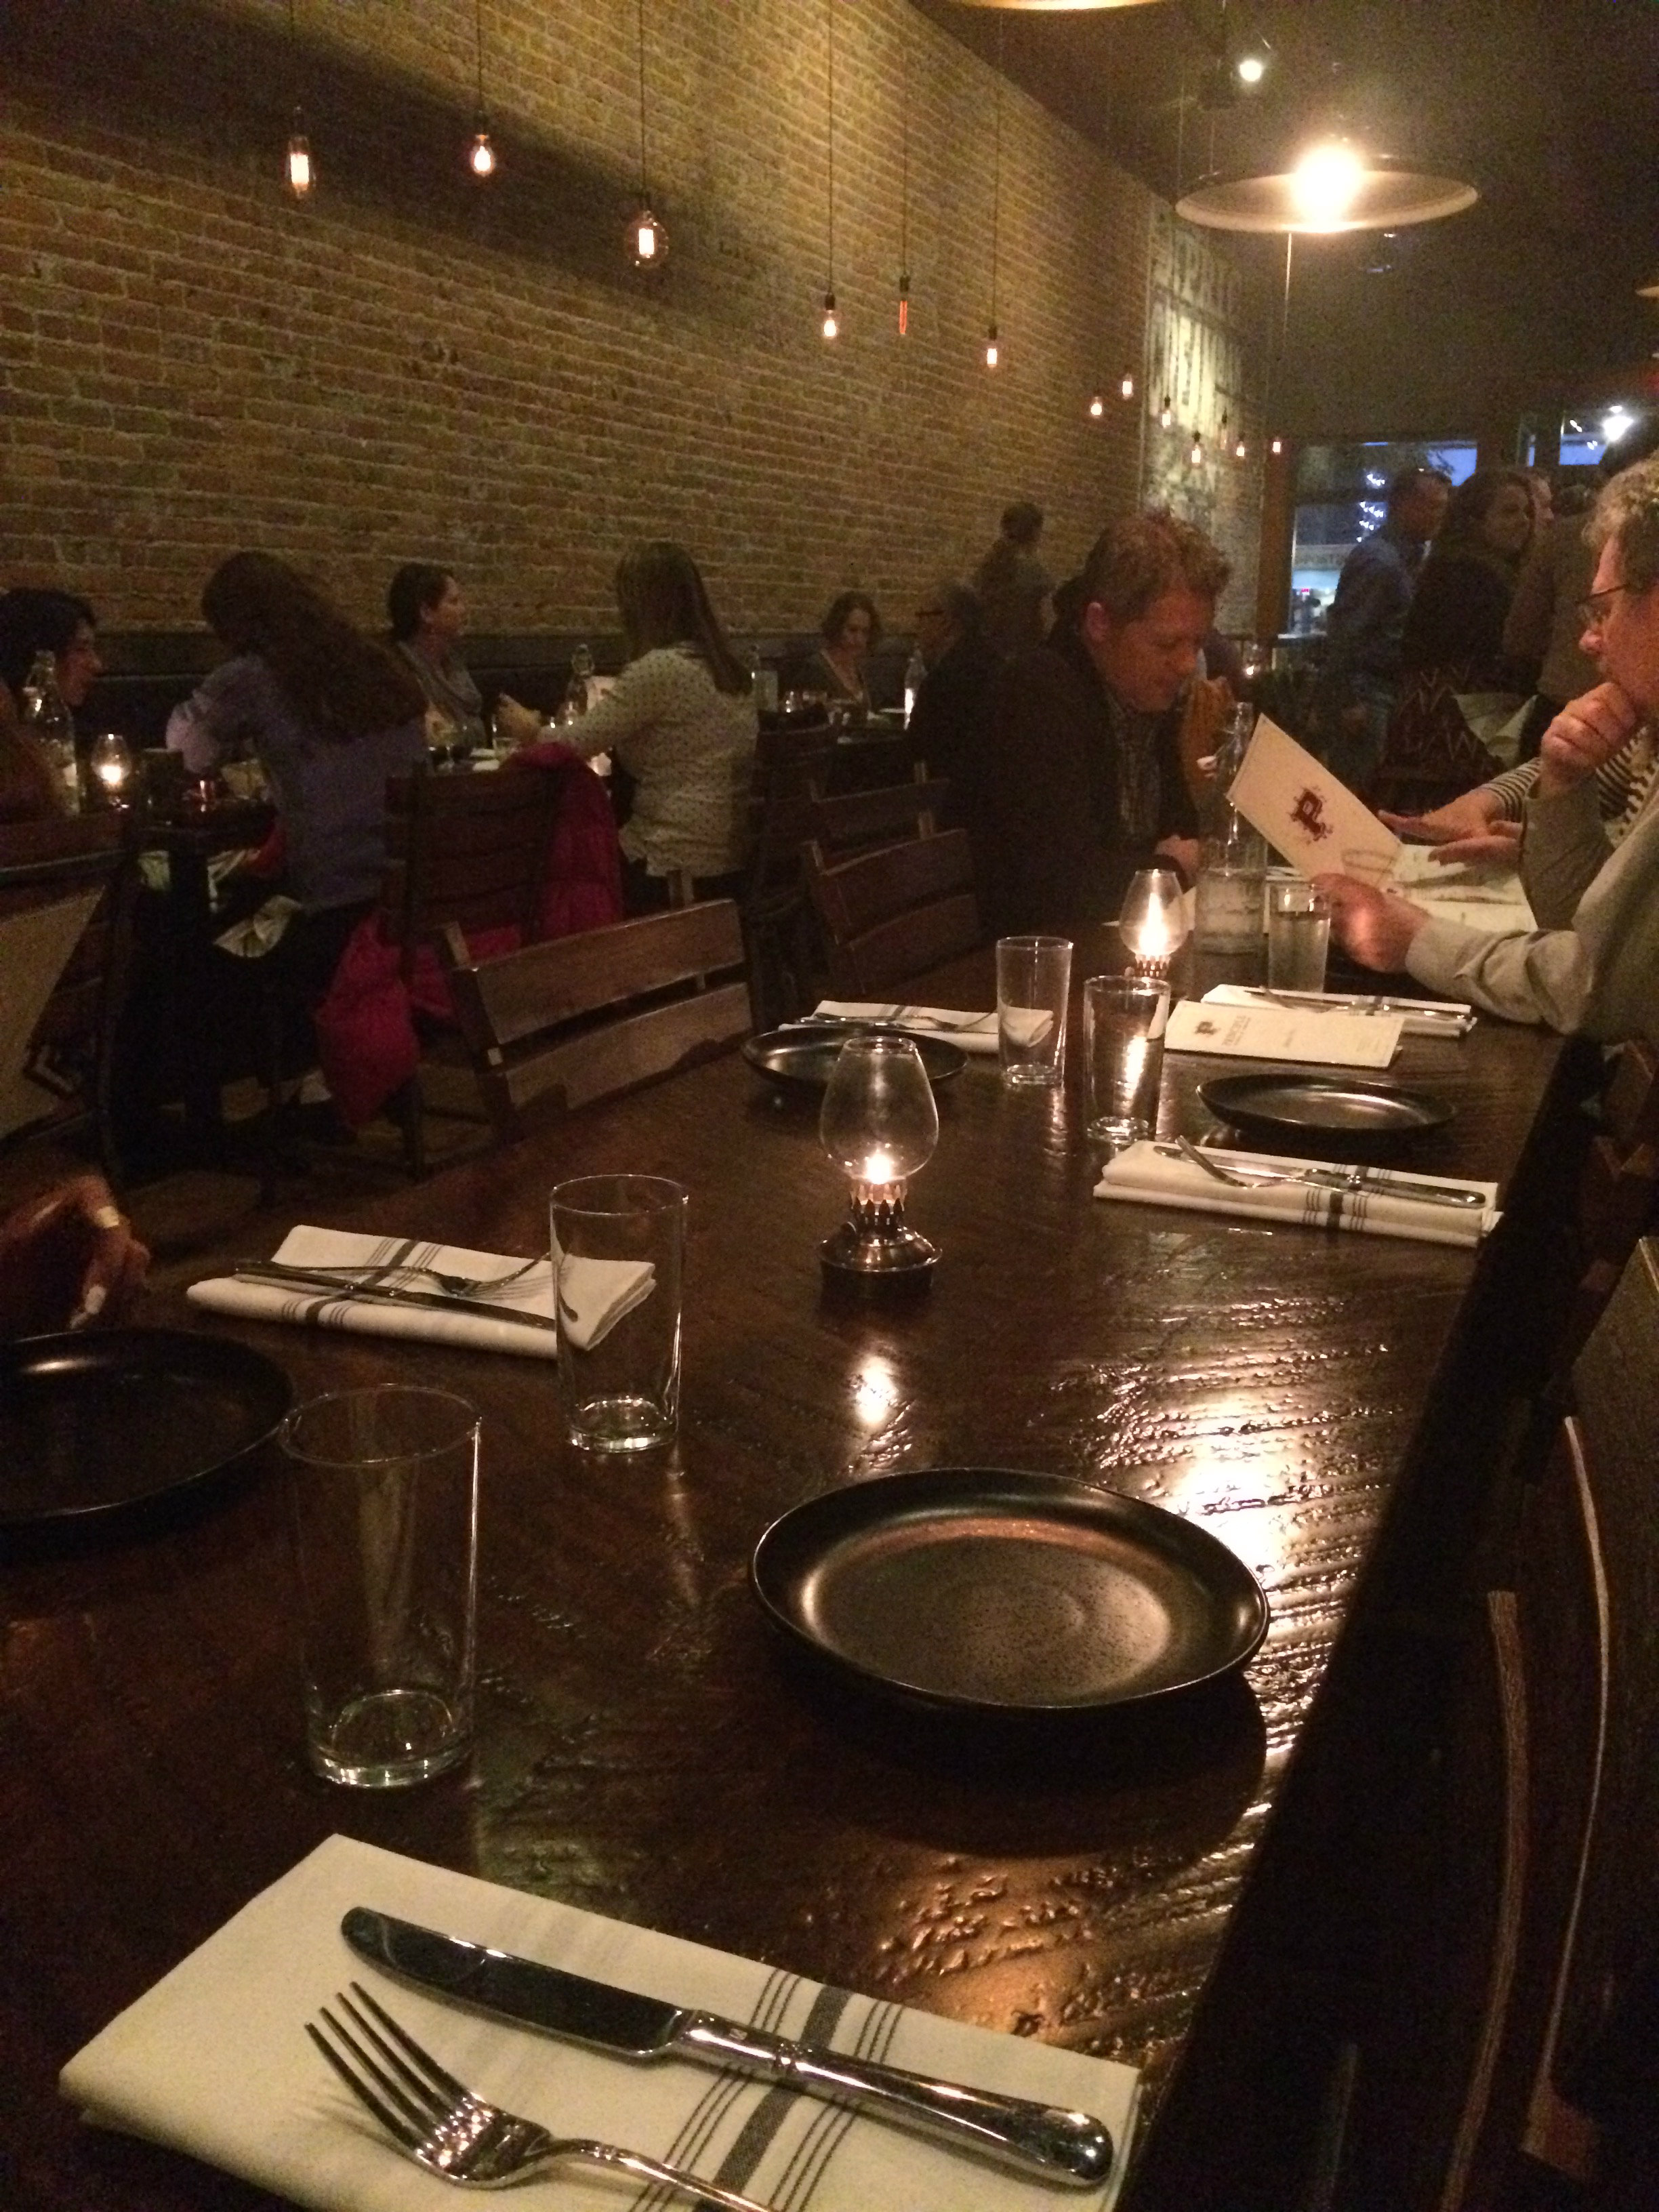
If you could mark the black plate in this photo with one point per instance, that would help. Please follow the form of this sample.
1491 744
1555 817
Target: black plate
975 1590
101 1422
804 1058
1343 1110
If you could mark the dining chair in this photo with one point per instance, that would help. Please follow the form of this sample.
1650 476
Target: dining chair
1619 1187
558 1024
66 896
842 822
1518 2062
789 766
890 912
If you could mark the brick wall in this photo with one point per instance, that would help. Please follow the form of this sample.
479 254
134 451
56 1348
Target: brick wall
413 366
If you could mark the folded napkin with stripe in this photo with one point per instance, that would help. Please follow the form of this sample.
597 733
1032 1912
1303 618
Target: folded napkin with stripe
214 2061
972 1032
518 1317
1147 1174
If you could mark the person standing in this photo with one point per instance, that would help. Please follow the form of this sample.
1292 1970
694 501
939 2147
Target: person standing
1359 681
1011 585
1081 782
428 615
953 703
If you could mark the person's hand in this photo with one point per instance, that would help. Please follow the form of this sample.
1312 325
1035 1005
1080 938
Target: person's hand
67 1258
1372 927
516 720
1470 815
1497 845
1183 851
1587 732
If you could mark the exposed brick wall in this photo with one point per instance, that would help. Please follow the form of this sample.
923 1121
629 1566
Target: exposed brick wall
413 366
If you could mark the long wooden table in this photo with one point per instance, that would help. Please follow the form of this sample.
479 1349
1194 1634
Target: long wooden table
644 1750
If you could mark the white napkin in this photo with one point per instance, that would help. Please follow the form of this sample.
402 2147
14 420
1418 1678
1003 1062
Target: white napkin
215 2061
1434 1018
1147 1176
972 1032
596 1293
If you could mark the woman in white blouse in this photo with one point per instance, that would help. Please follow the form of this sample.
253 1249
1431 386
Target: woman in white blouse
680 719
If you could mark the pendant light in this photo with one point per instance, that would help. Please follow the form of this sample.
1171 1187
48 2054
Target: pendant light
1166 415
904 193
481 155
1334 187
993 351
644 240
831 324
1127 387
301 169
1096 407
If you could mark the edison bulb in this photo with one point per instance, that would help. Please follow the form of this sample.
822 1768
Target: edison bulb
1128 387
1096 407
993 353
646 241
831 327
1278 446
1325 183
1240 450
301 175
481 159
1166 415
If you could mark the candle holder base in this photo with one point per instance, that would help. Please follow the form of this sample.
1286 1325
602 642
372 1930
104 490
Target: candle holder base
876 1244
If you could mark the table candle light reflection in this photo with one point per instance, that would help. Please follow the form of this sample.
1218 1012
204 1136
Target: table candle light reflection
880 1125
111 764
1152 921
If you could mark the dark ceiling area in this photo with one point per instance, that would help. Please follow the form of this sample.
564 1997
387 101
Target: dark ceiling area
1549 107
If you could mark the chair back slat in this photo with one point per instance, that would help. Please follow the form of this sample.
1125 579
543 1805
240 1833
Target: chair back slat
886 915
467 849
579 1017
842 822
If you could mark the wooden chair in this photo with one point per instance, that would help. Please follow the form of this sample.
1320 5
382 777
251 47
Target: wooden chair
888 913
790 765
467 853
577 1019
66 894
1524 2061
1619 1189
852 821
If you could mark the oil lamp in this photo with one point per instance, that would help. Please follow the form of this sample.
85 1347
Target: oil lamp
880 1125
1152 921
111 763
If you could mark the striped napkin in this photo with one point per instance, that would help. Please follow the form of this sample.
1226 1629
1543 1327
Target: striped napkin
596 1293
214 2061
1147 1175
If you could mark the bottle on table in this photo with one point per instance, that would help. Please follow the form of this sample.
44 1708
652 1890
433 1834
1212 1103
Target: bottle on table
577 696
915 675
764 683
49 721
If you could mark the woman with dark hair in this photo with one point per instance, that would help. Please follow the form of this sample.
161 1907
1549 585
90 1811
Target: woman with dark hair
329 715
33 622
850 629
680 719
426 612
1452 644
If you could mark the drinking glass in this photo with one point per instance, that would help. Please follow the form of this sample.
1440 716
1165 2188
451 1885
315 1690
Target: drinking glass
1298 936
1227 900
384 1491
1034 978
1124 1019
618 1245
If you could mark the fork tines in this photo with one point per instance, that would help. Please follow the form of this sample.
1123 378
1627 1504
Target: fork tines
417 2100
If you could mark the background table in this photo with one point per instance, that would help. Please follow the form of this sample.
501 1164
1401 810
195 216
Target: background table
644 1750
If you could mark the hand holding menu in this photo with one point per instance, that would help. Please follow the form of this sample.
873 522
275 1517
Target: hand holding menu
1306 813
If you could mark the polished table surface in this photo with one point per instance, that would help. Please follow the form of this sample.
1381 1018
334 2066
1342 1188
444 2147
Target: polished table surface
644 1749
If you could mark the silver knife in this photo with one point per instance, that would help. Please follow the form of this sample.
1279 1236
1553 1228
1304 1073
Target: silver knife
1379 1182
1043 2140
300 1279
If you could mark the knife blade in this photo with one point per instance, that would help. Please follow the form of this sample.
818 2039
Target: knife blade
299 1278
1043 2140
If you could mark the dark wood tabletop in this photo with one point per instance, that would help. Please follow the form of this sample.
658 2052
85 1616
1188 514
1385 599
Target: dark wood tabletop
645 1749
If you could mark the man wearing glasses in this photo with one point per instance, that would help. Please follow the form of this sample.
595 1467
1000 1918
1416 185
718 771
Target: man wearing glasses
1593 964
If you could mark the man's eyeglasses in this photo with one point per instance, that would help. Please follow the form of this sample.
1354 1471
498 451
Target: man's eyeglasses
1595 610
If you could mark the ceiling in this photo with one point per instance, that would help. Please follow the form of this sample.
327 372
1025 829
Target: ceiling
1550 107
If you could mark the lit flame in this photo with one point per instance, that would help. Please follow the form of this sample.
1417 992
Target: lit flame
1325 183
879 1166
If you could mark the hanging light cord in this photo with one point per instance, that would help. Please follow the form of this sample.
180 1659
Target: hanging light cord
996 177
477 47
644 193
830 27
904 159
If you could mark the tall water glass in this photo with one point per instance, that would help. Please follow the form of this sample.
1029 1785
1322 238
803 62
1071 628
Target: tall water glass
1124 1019
1034 980
383 1486
618 1243
1298 936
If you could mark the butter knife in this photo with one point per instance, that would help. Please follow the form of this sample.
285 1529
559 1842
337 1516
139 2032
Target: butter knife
1378 1182
288 1277
1041 2140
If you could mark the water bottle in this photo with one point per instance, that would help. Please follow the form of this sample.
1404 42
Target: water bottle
764 683
576 700
49 719
915 675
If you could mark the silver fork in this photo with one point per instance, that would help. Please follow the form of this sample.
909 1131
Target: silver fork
1334 1177
458 1286
438 2122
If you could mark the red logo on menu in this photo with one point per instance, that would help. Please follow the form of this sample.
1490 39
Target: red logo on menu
1308 815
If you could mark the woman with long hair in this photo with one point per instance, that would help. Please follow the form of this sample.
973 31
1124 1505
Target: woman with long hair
428 614
33 621
680 721
1452 644
850 631
329 715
